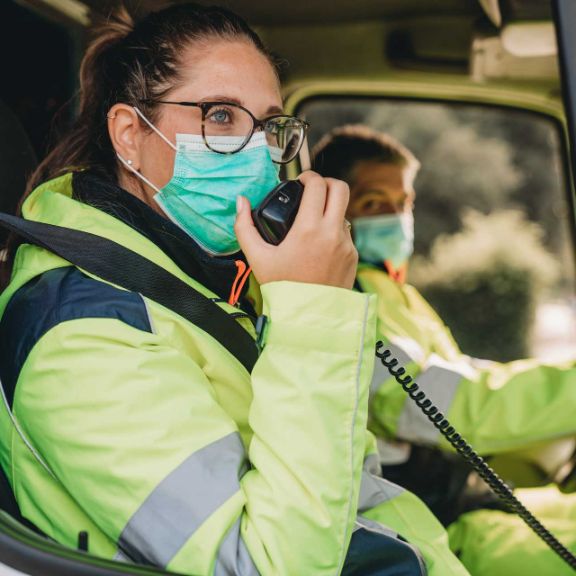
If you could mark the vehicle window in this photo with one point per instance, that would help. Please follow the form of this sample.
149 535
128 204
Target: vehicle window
494 253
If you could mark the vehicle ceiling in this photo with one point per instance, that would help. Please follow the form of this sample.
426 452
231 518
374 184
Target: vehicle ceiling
295 12
367 38
274 12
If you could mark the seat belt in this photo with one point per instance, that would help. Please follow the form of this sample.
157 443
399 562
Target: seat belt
125 268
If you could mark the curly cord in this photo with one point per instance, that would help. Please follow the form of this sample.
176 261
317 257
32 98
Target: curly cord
500 488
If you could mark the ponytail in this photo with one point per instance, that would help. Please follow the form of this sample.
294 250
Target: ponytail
87 144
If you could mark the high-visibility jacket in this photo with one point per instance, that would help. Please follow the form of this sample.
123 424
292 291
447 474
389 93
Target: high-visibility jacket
125 420
495 543
497 407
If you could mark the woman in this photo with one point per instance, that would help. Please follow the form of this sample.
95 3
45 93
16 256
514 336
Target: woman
131 423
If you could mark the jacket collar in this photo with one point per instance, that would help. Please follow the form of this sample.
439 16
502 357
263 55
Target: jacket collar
216 273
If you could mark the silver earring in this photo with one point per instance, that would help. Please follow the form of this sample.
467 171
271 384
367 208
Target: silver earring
111 116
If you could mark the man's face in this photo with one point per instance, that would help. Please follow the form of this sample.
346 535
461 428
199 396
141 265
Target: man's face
377 188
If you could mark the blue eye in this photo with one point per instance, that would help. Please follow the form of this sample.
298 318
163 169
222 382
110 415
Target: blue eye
220 116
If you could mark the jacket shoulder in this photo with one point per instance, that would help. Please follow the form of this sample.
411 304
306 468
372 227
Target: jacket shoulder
54 297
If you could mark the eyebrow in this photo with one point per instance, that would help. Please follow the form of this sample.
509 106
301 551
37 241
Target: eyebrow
232 100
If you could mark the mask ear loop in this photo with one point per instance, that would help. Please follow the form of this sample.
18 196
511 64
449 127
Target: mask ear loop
136 173
129 166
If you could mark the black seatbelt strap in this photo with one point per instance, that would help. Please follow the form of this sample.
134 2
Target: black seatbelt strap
116 264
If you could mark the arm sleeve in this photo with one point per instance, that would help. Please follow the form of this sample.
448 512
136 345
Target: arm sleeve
133 430
497 407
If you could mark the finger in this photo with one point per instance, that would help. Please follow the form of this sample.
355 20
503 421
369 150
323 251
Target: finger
247 234
313 201
337 200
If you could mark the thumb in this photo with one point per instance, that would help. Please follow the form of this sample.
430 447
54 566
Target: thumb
248 236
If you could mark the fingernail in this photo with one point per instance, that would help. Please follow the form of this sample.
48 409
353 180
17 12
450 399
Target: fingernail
239 204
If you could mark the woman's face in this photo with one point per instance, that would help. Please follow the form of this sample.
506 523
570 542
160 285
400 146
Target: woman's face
233 71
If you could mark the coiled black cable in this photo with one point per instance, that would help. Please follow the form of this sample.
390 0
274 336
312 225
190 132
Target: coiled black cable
500 488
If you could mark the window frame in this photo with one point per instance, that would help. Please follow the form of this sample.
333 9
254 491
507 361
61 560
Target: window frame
543 104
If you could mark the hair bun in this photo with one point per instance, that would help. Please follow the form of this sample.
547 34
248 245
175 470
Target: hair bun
115 27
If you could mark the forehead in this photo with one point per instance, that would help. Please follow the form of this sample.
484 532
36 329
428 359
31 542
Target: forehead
371 176
234 68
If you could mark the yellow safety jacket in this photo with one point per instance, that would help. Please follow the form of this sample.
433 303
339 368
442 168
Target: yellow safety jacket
123 419
497 407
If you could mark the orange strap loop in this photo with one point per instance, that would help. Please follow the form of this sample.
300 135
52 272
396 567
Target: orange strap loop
242 275
399 274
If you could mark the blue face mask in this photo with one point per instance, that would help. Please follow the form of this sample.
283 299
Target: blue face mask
201 195
384 237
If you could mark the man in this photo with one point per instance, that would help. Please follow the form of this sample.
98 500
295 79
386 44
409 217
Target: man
497 407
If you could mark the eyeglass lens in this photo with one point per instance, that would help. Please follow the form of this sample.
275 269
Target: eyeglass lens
227 129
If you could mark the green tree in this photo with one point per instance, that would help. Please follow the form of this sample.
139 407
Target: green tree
485 282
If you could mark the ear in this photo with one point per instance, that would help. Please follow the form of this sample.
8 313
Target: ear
125 133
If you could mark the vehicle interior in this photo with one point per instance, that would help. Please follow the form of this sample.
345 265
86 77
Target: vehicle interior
482 91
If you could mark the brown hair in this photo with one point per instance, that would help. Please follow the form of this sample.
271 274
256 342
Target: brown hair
338 152
130 62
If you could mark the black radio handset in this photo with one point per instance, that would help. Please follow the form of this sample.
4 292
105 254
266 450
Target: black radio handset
276 213
499 487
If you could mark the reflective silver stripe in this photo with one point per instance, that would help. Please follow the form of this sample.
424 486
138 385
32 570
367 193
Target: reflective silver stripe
375 491
378 528
393 452
372 464
233 557
410 347
439 381
179 505
121 557
372 526
22 436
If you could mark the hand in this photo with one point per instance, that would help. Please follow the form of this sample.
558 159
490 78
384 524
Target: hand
318 249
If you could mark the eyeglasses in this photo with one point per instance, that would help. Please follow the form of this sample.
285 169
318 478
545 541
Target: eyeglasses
369 202
227 128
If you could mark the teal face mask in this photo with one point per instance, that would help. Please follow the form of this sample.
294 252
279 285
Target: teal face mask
384 237
200 197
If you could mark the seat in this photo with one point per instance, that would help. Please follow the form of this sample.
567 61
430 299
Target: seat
17 162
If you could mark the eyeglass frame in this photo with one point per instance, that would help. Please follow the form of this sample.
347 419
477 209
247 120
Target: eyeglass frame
256 123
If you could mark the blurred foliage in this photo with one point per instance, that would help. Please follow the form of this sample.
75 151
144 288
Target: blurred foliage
485 281
480 175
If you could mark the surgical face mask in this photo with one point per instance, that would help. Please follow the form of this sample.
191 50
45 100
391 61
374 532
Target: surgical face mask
384 237
200 197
